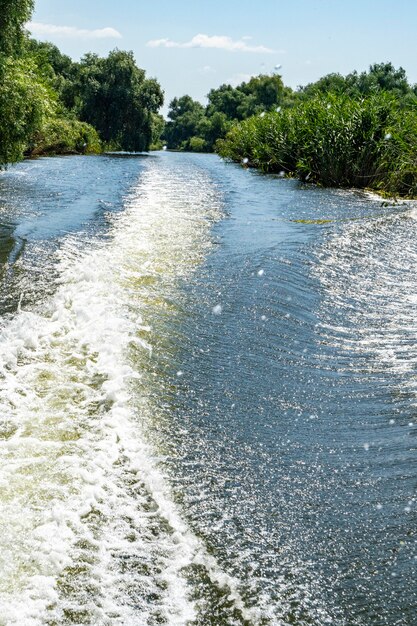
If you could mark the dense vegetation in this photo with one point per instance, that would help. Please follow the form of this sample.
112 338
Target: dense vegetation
50 104
192 126
357 131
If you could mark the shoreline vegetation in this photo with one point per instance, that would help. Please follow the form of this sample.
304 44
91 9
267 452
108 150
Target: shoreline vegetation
354 131
335 141
50 104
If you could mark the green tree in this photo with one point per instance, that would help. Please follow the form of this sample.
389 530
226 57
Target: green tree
58 69
24 103
226 99
380 77
13 15
267 91
185 116
114 96
214 127
24 100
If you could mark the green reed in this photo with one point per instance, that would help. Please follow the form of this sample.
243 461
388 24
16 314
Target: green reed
334 141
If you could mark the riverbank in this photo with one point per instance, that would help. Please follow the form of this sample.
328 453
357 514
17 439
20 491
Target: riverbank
334 141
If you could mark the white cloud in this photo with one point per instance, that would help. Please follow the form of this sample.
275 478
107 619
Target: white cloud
51 30
218 42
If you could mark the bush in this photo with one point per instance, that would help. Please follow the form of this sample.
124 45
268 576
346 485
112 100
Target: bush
334 140
64 136
24 103
197 144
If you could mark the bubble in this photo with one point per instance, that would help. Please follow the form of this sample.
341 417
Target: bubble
392 422
379 506
366 446
217 309
261 272
263 317
180 373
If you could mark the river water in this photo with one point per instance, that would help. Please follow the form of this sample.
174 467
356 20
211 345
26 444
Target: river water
208 397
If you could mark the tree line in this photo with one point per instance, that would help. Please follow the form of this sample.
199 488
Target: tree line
354 131
194 127
51 104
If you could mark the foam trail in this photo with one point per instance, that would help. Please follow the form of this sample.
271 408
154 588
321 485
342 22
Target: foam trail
89 532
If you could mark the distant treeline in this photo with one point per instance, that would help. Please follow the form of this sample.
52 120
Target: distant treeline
357 130
353 131
50 104
193 127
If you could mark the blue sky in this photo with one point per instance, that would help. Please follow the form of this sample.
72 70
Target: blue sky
192 46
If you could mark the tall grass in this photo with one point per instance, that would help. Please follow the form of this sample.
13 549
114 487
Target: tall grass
334 141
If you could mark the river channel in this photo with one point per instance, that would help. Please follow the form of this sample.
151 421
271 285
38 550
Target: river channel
208 397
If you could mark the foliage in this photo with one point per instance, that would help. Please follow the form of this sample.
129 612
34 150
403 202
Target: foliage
185 116
114 96
381 77
197 144
334 140
48 103
24 104
56 69
157 124
13 15
189 120
64 136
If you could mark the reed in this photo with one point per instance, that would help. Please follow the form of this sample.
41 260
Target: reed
335 141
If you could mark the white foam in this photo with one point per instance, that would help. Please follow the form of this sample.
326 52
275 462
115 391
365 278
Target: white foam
81 496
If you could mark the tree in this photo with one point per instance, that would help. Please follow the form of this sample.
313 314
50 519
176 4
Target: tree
266 90
380 77
58 69
115 97
216 126
24 103
24 100
226 99
13 15
185 115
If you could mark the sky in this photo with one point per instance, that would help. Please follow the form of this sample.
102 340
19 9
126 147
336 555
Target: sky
192 46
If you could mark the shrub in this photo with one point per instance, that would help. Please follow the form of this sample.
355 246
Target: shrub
334 140
197 144
64 136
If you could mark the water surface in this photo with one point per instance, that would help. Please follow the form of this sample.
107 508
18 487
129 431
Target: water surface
207 397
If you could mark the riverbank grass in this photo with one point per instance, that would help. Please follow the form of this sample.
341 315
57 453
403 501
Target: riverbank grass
335 141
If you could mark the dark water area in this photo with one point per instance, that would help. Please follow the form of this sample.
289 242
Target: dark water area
278 400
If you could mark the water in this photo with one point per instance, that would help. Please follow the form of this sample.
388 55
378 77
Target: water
207 397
